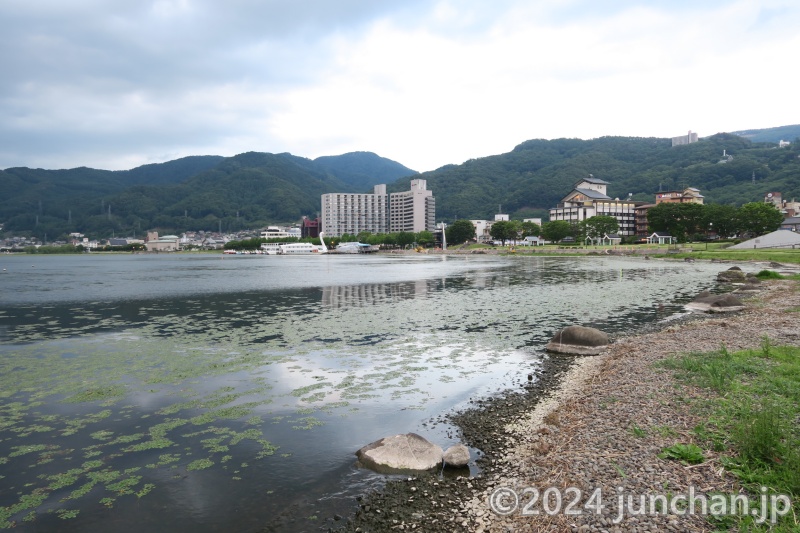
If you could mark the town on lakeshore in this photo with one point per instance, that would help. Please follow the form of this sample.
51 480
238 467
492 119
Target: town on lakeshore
586 215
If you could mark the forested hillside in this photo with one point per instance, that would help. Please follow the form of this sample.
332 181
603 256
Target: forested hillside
252 190
249 190
772 135
535 175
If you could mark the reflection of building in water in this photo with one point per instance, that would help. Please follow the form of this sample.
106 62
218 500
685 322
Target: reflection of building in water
371 294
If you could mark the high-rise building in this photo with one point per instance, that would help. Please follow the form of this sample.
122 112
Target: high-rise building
379 212
412 211
353 213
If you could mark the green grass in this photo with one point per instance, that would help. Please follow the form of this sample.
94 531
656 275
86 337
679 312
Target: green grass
699 252
752 420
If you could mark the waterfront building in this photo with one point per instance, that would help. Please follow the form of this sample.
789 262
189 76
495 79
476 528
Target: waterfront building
589 199
412 211
379 212
353 213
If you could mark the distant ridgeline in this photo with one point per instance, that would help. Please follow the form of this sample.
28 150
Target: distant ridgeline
253 190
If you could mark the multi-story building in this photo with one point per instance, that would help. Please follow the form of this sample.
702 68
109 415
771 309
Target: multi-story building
411 211
689 195
309 228
353 213
588 199
684 139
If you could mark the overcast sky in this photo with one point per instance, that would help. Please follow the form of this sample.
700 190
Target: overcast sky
115 84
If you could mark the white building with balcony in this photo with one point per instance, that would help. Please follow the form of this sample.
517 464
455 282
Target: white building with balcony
379 212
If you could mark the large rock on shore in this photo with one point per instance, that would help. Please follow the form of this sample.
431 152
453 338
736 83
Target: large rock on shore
716 303
578 340
401 453
732 275
457 455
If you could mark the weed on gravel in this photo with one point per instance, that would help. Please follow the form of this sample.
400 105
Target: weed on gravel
754 423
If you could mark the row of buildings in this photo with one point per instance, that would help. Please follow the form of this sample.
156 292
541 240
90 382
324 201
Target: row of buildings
588 198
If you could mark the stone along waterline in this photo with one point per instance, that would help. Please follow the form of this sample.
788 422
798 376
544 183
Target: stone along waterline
166 392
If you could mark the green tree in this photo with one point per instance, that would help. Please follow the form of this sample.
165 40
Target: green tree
504 230
403 238
530 229
425 238
720 219
758 218
679 220
460 232
556 230
597 227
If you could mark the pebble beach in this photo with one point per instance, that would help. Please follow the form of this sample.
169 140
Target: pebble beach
573 433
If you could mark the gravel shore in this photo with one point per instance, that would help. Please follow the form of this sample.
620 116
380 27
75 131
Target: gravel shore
589 430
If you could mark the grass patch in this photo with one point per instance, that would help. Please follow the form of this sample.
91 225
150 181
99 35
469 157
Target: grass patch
753 420
770 274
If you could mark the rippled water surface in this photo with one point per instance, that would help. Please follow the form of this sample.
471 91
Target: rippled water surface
209 393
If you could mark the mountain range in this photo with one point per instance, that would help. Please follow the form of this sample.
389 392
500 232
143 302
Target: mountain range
255 189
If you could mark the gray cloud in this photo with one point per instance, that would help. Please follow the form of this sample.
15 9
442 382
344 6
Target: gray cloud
108 78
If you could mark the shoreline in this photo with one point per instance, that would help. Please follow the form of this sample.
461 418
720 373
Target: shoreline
572 429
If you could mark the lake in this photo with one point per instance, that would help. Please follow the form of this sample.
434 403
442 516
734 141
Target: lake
229 393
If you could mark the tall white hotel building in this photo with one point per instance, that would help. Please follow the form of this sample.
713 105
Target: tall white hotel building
410 211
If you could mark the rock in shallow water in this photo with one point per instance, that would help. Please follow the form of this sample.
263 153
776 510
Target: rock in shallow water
716 303
457 455
407 452
578 340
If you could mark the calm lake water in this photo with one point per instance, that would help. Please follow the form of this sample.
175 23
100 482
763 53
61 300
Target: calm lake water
211 393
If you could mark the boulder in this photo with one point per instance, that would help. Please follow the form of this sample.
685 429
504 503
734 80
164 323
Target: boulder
457 455
578 340
401 453
732 275
716 303
751 284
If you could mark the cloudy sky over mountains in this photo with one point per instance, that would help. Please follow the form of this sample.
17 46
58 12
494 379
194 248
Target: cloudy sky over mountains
116 83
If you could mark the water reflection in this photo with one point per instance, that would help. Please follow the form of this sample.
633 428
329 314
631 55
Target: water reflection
339 296
180 386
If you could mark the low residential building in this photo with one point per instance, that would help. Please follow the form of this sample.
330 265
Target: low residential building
661 238
588 199
791 224
167 243
483 228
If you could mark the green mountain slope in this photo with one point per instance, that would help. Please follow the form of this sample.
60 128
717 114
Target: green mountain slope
772 135
535 175
363 170
196 193
255 189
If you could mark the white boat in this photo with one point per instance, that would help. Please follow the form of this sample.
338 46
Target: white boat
355 248
303 248
270 248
